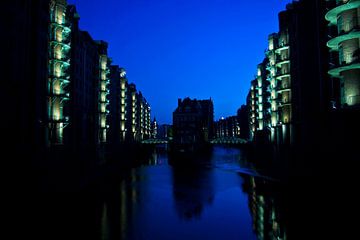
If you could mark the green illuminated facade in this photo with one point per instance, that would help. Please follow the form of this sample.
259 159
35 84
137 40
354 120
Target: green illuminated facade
104 81
59 71
270 96
251 102
123 92
344 44
279 78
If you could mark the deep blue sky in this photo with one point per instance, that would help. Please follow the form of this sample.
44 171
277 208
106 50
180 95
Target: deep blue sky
177 48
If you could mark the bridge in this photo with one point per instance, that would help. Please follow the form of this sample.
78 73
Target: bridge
228 141
223 140
153 141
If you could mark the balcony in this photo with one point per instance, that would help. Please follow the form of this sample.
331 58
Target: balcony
64 61
66 46
66 25
60 120
341 6
281 61
284 88
282 46
284 104
106 101
62 96
282 74
352 100
66 39
336 70
351 32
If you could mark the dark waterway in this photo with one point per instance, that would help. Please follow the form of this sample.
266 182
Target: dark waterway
222 198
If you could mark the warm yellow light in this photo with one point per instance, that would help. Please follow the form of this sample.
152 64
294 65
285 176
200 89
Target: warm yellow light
103 86
56 87
59 35
103 122
103 62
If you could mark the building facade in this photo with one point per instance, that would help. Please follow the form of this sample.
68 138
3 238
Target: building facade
59 71
296 93
24 89
227 127
344 45
104 91
193 121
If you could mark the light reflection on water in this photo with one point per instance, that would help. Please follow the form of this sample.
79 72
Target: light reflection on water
158 201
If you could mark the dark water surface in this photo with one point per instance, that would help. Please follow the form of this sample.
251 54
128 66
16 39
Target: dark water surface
221 199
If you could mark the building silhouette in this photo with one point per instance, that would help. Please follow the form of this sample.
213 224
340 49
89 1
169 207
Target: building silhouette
227 127
193 121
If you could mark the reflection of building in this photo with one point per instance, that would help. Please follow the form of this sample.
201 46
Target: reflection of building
193 121
265 208
192 191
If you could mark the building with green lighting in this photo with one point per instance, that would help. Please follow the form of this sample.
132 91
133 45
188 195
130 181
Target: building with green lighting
59 71
78 83
129 110
104 91
251 103
143 123
309 103
344 45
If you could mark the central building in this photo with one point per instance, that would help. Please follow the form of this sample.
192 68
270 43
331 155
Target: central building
193 122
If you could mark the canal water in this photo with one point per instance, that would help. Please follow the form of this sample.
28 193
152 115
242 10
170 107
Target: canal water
223 198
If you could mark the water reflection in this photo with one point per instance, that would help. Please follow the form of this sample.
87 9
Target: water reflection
193 189
158 201
266 207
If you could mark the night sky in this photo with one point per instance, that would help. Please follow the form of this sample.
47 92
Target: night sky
184 48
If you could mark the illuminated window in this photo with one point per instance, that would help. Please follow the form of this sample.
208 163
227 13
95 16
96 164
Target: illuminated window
59 35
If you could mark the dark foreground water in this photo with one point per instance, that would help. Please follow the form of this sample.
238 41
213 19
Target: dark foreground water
223 198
